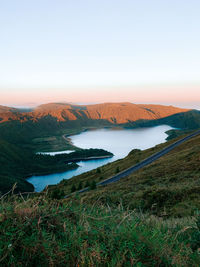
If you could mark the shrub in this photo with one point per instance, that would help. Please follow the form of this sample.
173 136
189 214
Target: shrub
93 185
87 184
57 194
98 170
73 188
80 186
117 170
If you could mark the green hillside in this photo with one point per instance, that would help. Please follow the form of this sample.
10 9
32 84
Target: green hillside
17 163
185 120
168 187
12 158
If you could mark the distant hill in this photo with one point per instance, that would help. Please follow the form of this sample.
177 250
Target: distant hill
115 113
7 113
183 120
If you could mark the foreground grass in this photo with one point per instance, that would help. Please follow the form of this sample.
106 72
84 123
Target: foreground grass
38 231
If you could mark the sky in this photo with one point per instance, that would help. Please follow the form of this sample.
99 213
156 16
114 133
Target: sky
91 51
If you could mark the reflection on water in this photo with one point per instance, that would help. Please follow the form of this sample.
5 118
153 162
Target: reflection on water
56 153
118 141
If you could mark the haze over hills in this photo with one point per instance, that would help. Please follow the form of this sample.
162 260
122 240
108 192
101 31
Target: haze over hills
117 113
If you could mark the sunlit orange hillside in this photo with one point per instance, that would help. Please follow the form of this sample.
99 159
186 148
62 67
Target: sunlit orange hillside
113 112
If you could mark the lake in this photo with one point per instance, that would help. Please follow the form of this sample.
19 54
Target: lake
118 141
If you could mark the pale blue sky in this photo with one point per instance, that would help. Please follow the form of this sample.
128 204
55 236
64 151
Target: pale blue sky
78 47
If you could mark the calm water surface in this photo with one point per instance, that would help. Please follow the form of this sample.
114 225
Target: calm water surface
118 141
56 153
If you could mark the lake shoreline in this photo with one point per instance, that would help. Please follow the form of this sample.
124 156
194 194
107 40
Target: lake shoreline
49 173
69 145
89 158
71 164
120 142
67 137
68 162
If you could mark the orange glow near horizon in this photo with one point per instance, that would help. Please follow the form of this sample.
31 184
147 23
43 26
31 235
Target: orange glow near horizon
157 94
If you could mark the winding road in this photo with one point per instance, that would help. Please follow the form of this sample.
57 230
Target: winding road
143 163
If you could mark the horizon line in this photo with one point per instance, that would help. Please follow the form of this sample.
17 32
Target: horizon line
187 105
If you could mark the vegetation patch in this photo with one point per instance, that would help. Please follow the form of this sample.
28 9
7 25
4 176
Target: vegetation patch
38 231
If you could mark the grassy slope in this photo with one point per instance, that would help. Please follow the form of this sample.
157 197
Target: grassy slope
168 187
39 231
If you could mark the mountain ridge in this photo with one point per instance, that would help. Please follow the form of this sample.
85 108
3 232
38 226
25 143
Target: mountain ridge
116 113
